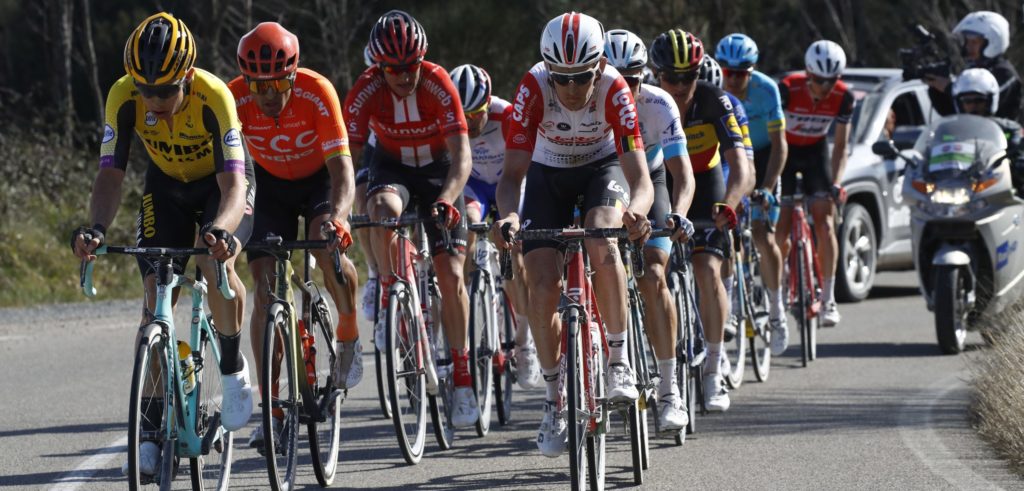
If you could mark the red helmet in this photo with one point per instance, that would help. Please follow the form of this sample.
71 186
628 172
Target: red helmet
267 52
397 39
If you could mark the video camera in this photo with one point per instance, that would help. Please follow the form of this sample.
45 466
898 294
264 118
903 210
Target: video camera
924 58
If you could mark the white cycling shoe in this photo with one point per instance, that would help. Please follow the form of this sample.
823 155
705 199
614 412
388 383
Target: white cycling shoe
553 433
369 301
348 367
236 405
149 459
831 316
621 385
780 335
716 396
466 411
528 367
672 414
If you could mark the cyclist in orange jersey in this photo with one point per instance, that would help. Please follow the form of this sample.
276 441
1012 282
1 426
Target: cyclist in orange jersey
293 127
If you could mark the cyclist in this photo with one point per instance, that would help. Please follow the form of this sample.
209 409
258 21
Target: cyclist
574 134
738 55
422 154
710 126
199 174
665 148
487 119
369 296
976 91
984 38
291 120
813 100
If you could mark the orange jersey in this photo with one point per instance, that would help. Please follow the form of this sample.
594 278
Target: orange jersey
309 130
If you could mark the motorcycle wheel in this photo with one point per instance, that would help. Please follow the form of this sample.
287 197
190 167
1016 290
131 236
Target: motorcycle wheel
951 309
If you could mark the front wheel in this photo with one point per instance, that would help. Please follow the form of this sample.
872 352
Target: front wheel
483 333
148 376
280 396
405 377
951 308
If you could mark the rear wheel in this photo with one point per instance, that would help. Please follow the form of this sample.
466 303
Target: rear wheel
800 309
758 331
505 365
442 404
737 352
380 362
280 396
324 425
406 383
212 469
951 310
483 345
149 375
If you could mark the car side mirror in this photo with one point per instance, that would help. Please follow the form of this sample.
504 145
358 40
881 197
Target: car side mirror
885 149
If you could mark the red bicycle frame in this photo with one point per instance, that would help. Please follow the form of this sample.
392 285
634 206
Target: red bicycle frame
580 293
800 232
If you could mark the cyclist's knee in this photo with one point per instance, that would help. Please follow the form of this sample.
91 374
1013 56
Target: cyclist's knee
384 204
604 253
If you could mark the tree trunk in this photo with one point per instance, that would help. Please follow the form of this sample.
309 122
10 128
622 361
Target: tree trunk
62 61
91 68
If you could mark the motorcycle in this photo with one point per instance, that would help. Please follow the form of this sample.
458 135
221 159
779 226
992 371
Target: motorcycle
965 223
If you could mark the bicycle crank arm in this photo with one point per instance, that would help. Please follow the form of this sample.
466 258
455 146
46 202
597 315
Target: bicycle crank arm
212 433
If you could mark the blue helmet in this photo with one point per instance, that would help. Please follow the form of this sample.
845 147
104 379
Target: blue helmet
737 51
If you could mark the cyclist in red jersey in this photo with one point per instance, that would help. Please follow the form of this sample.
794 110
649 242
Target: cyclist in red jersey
812 101
574 133
422 153
291 120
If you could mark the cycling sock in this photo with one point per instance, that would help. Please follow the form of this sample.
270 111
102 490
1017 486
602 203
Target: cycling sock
348 329
714 359
775 307
460 361
667 384
617 348
550 383
828 289
523 333
152 413
230 356
728 282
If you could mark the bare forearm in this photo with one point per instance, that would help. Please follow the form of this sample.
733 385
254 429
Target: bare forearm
106 196
342 186
458 172
510 184
838 163
777 160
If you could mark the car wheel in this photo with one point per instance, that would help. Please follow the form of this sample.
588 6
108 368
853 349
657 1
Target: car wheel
855 270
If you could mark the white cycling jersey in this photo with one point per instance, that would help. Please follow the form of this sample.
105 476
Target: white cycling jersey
489 148
660 126
558 137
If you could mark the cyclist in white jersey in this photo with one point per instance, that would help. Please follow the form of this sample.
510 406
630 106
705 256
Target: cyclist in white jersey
574 133
486 116
665 145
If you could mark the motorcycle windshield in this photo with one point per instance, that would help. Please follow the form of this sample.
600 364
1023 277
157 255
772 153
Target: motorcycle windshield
962 145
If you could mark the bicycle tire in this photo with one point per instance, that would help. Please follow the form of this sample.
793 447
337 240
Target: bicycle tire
801 305
575 400
596 439
208 390
482 334
639 360
738 355
150 349
324 426
813 292
758 331
278 342
406 381
684 346
505 368
441 404
379 361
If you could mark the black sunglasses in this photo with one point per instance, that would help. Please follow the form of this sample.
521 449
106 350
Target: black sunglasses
164 91
579 78
633 80
676 78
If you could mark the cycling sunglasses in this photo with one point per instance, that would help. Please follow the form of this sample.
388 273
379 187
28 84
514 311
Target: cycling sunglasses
676 78
164 91
736 72
401 69
277 85
822 80
633 80
478 111
579 78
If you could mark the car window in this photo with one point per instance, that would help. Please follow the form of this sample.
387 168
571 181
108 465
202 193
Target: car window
904 120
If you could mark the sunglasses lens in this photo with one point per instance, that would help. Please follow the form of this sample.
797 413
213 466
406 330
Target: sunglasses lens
577 78
633 81
158 91
278 85
400 69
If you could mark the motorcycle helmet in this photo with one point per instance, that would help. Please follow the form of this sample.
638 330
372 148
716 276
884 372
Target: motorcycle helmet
989 25
977 81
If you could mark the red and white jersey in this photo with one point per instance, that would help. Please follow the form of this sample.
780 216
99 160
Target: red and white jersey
559 137
489 148
807 121
411 129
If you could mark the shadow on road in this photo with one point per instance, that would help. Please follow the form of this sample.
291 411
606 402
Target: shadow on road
65 429
893 291
877 350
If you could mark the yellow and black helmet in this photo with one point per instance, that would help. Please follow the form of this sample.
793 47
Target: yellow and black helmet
160 51
676 51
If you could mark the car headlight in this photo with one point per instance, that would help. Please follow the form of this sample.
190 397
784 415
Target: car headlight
951 196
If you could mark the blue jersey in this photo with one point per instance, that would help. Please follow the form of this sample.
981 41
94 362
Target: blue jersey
764 108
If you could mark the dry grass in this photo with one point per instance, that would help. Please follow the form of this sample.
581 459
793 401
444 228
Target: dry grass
998 404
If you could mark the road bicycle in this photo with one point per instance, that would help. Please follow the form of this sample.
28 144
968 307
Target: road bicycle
804 278
170 379
492 328
751 306
299 353
417 361
690 343
584 356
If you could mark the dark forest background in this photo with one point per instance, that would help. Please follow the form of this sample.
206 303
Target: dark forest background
58 58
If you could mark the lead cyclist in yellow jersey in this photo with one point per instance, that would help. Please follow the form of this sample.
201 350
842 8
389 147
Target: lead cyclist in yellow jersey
199 174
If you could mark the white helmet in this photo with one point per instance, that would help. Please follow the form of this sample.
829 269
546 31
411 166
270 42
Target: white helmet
710 71
989 25
825 59
977 81
572 40
473 85
367 59
624 49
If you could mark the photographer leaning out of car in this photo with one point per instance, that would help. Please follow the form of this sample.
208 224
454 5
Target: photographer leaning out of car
984 38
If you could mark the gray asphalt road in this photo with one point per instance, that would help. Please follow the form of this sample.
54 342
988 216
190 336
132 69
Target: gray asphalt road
880 409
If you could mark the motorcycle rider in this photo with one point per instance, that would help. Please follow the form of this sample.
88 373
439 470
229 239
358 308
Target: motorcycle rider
976 91
984 38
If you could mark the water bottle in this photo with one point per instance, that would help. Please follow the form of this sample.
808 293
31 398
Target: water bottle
188 367
308 353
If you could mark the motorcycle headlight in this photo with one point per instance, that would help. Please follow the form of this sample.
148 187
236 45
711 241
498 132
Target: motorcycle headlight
951 196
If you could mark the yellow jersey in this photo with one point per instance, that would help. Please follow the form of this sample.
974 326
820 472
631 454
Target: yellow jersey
206 136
